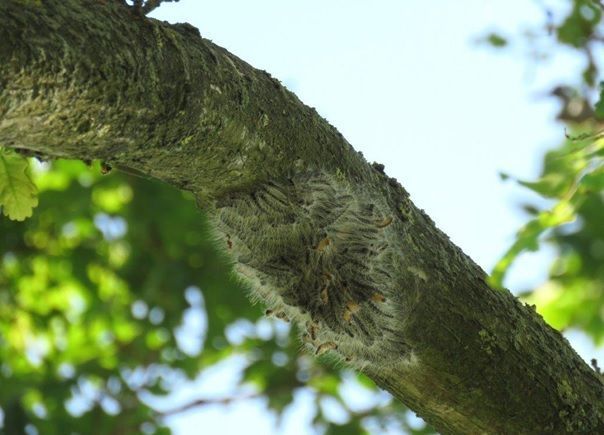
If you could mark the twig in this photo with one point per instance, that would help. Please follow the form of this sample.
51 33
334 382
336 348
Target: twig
204 402
150 5
584 136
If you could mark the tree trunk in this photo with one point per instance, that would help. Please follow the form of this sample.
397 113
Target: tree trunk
321 236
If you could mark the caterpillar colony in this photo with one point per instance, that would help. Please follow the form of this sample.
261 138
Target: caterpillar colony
320 252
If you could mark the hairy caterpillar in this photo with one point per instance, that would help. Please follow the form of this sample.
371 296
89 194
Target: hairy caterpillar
320 253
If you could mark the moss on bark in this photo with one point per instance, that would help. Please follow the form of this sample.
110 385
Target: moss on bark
91 80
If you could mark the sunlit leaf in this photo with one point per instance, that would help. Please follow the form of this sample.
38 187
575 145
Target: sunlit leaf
18 194
551 185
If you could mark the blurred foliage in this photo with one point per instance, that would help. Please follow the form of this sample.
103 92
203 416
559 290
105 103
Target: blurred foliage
573 182
113 295
569 214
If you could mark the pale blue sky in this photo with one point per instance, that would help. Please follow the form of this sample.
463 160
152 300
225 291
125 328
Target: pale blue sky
406 84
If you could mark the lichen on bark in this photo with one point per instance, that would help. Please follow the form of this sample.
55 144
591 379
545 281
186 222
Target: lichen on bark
320 234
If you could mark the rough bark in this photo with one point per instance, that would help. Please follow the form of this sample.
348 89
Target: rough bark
321 236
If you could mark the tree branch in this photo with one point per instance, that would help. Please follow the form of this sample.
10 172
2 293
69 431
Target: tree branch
205 402
322 237
150 5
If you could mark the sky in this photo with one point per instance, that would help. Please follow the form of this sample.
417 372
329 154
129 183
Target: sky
407 84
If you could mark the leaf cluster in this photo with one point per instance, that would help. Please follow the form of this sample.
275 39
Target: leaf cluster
113 295
569 212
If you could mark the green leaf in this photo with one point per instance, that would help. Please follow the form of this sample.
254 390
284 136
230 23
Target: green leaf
527 238
599 109
496 40
594 180
579 26
18 194
550 186
352 427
